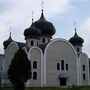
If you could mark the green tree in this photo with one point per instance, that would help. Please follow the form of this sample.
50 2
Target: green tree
19 70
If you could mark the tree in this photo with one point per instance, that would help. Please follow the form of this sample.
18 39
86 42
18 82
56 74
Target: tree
19 70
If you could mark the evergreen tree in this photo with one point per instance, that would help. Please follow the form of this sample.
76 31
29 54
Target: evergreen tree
19 70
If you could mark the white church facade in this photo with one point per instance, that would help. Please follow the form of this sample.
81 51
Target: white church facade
55 62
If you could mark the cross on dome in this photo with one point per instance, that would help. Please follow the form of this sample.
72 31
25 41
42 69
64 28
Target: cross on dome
32 16
42 5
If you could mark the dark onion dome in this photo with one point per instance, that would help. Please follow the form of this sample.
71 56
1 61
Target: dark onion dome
7 42
46 27
32 32
76 40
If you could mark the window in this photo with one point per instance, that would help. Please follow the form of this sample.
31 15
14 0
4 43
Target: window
1 68
89 67
43 40
35 64
58 66
34 75
37 43
78 49
66 67
32 43
62 64
84 77
83 67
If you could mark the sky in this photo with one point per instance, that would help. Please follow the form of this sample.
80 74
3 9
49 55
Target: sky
16 16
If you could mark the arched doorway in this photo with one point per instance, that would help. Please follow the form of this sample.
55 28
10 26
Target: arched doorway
63 81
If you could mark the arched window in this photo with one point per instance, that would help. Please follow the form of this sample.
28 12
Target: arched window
83 67
43 40
62 64
78 50
32 43
66 67
37 43
34 75
84 76
58 66
1 68
35 64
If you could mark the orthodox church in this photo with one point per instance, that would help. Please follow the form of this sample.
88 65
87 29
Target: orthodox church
55 62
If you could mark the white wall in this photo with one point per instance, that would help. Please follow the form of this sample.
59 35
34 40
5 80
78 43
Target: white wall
57 50
84 61
35 54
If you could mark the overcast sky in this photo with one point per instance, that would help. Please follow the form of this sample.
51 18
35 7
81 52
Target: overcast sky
16 15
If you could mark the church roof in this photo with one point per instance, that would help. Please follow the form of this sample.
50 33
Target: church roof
76 40
41 27
7 42
46 27
32 32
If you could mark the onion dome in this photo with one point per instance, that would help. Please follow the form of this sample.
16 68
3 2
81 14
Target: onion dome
7 42
32 32
46 27
76 40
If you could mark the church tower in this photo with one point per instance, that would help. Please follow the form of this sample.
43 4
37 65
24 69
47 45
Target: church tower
39 33
7 42
77 42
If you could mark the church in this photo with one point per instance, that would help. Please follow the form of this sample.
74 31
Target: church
55 61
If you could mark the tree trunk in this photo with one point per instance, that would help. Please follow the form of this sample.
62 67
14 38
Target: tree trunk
19 86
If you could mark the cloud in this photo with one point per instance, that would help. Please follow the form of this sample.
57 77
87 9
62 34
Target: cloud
57 6
15 15
85 33
6 5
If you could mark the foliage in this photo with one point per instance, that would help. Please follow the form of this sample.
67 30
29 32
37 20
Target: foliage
54 88
20 68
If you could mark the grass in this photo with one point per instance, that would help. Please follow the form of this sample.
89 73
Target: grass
52 88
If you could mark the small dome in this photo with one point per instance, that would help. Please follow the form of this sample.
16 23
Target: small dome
7 42
46 27
76 40
32 32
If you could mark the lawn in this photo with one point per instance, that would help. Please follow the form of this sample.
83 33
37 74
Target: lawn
52 88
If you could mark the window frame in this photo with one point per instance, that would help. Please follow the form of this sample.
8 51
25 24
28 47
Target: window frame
83 67
62 65
32 43
43 40
58 66
34 75
78 49
84 76
66 67
34 64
